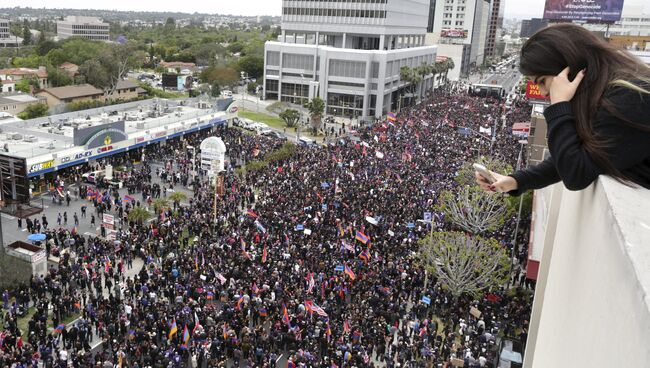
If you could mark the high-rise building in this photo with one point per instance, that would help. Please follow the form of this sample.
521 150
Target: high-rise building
530 26
349 53
497 10
90 28
6 39
432 15
463 24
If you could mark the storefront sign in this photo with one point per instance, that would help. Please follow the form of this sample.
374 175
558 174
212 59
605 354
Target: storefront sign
41 166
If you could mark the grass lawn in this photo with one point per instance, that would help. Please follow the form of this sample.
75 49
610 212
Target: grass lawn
23 322
267 119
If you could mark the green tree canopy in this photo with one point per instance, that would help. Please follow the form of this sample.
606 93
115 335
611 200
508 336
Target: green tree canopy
138 215
58 77
252 65
223 75
32 111
27 35
290 117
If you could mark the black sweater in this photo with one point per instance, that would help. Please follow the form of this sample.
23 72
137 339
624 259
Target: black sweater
629 150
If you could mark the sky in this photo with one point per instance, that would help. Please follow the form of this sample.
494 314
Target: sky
514 8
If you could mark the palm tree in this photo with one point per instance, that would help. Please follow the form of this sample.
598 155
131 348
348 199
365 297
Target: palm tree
422 71
449 65
139 215
176 198
411 77
160 204
316 109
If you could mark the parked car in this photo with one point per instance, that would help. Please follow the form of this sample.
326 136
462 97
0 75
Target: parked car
306 142
92 177
274 134
260 127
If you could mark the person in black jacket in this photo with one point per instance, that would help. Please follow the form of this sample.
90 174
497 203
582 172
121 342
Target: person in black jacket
599 117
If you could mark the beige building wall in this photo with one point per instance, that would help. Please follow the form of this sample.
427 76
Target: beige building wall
591 306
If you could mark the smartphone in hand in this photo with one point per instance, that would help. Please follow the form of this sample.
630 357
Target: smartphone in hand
484 172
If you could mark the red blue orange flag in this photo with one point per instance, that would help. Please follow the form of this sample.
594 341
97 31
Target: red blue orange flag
362 237
348 271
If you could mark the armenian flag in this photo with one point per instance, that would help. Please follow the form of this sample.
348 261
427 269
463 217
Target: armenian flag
173 330
348 271
328 332
264 255
186 339
255 289
362 237
365 255
251 213
239 301
391 116
285 315
346 327
129 198
263 312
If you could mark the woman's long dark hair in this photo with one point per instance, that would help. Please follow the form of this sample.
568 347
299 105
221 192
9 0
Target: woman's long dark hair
552 49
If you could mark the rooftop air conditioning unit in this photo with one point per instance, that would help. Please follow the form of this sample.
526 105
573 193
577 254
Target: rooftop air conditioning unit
30 138
17 136
139 126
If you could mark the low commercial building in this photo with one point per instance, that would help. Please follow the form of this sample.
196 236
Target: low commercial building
35 150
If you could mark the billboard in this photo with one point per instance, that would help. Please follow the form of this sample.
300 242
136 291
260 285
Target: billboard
594 11
169 80
100 135
454 33
533 92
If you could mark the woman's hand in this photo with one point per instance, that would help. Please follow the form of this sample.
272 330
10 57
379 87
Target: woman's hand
563 90
502 184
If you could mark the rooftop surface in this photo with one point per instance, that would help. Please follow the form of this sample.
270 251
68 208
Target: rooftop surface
53 134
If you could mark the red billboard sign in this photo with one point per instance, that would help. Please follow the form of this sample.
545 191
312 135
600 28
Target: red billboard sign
453 33
533 92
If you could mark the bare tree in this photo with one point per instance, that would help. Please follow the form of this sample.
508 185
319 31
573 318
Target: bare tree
473 210
463 264
117 61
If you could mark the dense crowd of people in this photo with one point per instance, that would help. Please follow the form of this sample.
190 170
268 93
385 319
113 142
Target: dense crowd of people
291 271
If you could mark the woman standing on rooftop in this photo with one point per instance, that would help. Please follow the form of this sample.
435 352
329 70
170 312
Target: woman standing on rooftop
599 117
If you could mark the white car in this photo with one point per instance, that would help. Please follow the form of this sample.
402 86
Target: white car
264 131
259 127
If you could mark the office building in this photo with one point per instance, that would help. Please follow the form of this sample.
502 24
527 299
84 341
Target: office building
497 9
6 38
463 25
90 28
530 26
348 53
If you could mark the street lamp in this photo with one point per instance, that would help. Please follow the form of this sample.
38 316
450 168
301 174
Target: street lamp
521 201
430 222
193 162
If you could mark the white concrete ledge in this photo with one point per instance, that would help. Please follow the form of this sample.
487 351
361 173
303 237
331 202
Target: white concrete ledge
592 303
